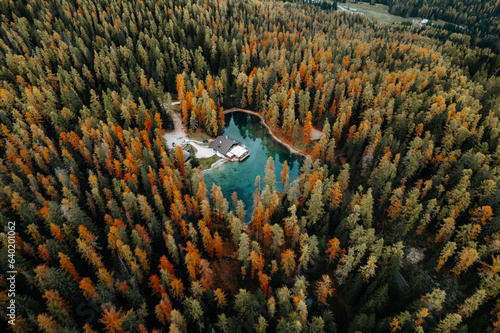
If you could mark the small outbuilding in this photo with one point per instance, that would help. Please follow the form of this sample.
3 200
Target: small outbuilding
187 155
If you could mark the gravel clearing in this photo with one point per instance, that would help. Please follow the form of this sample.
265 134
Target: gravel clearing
180 138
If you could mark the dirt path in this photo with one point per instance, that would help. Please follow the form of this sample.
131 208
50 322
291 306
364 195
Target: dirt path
202 151
178 134
291 148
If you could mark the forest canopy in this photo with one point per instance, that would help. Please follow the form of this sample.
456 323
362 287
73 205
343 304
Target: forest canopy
479 19
392 225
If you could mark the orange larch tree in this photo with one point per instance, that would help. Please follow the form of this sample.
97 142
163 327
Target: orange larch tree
324 289
67 266
88 288
112 319
307 128
333 250
288 262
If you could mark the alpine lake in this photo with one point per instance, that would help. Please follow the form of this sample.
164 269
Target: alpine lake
240 177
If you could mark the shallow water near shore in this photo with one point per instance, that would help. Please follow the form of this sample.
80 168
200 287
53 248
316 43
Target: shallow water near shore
240 177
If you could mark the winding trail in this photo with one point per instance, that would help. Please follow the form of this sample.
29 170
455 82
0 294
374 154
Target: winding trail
255 113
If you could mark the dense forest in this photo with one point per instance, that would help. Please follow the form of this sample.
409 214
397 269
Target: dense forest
392 226
480 19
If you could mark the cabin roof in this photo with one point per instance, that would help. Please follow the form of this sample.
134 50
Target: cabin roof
223 144
238 151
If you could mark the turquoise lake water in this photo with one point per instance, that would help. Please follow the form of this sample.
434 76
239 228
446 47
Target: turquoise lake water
240 177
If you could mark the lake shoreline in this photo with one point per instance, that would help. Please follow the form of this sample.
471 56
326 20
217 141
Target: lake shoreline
216 164
240 177
275 137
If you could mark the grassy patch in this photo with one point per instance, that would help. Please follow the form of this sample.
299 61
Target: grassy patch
377 8
203 144
378 12
199 136
206 163
191 149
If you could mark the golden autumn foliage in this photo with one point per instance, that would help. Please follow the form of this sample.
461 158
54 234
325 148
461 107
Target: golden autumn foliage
402 179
